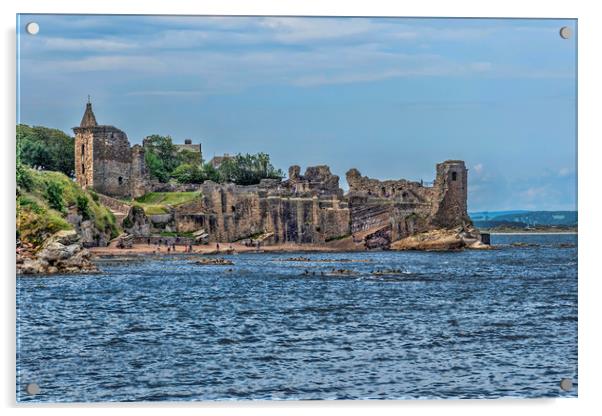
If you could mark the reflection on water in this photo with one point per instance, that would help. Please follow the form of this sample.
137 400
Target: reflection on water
429 325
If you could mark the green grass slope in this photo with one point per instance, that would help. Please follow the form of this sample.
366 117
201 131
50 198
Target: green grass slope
45 198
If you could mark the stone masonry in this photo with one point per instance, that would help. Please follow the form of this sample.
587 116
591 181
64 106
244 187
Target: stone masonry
308 208
105 162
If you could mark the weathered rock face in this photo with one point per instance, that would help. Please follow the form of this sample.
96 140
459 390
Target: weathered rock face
137 223
442 240
61 253
299 211
90 236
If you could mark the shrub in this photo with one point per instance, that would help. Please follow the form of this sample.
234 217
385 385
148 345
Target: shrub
94 196
187 173
54 195
83 207
24 178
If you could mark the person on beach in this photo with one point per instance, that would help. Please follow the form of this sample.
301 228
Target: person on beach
217 247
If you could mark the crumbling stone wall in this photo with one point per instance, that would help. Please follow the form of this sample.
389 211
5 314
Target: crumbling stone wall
309 213
139 174
402 208
112 161
449 207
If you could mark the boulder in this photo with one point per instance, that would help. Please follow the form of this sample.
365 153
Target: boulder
436 240
60 253
125 241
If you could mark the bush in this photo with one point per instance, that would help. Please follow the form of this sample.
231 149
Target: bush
187 173
54 195
24 178
83 207
94 196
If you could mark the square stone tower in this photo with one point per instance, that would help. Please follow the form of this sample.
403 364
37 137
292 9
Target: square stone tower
451 194
103 157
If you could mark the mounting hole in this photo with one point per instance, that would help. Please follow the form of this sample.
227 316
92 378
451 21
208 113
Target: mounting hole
32 28
566 384
565 32
32 389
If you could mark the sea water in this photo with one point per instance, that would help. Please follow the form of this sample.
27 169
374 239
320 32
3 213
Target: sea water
381 325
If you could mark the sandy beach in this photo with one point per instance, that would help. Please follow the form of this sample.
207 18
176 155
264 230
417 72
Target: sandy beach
223 249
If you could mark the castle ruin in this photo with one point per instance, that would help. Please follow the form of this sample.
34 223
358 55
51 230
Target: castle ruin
307 208
106 163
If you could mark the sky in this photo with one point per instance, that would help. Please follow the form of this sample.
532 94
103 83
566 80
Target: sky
389 96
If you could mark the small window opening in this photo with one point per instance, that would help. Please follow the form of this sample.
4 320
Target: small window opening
120 180
454 176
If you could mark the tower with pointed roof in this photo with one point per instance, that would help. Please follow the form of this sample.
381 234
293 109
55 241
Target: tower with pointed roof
103 158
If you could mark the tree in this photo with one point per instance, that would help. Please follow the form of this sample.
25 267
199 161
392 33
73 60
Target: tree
166 156
187 173
189 157
210 173
49 149
248 169
156 167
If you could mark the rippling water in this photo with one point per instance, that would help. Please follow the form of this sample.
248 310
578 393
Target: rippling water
472 324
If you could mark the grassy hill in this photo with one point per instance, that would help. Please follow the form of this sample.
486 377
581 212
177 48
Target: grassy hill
45 199
159 202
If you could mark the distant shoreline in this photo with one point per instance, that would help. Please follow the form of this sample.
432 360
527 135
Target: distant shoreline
529 232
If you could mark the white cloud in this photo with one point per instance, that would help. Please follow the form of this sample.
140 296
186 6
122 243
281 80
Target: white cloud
86 45
478 168
165 93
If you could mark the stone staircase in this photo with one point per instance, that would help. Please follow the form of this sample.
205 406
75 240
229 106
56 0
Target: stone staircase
119 208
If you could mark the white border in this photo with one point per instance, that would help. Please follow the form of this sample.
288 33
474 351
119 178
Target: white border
590 136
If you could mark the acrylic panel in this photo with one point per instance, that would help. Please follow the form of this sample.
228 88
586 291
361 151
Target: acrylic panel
294 208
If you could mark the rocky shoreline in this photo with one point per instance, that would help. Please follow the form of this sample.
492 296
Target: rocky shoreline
61 253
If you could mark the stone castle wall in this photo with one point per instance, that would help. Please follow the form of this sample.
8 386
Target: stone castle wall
84 151
112 161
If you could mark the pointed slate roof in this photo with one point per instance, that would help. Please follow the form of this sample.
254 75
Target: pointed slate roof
88 120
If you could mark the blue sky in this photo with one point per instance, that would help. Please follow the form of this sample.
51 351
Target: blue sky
389 96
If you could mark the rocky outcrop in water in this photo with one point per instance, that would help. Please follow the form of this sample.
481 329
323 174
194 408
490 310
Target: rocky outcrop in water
441 240
61 253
